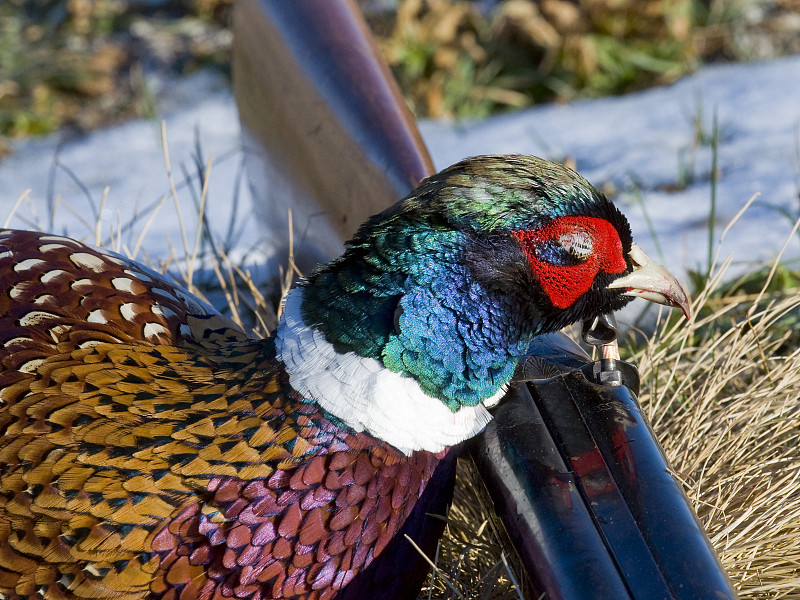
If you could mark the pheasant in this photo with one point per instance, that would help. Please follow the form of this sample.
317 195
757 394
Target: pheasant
151 450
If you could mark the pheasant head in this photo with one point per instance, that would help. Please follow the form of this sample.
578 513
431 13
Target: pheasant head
420 324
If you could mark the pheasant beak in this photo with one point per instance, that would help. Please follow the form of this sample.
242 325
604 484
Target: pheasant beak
651 281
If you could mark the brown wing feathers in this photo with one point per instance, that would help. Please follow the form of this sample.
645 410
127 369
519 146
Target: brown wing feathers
150 450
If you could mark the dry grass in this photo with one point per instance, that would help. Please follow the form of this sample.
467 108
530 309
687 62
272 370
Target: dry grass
723 396
200 263
471 555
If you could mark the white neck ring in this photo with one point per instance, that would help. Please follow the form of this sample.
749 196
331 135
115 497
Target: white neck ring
366 395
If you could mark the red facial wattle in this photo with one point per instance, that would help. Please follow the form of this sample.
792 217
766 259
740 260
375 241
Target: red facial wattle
591 243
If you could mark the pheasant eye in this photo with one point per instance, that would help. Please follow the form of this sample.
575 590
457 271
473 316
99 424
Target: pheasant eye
578 243
552 252
568 249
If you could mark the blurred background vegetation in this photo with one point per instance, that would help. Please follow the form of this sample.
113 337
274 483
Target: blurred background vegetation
88 63
470 59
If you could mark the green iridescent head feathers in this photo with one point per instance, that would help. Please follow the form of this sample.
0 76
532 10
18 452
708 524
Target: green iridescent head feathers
437 288
500 192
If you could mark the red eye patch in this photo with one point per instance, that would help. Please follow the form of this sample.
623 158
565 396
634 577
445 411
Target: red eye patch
567 254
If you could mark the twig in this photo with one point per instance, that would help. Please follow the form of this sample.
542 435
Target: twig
23 196
173 191
198 233
434 567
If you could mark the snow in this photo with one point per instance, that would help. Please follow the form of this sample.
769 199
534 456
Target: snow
129 161
640 141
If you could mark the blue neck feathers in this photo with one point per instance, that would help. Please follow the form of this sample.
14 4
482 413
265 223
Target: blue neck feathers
411 301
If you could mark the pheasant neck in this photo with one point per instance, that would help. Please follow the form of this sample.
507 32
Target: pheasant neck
367 396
